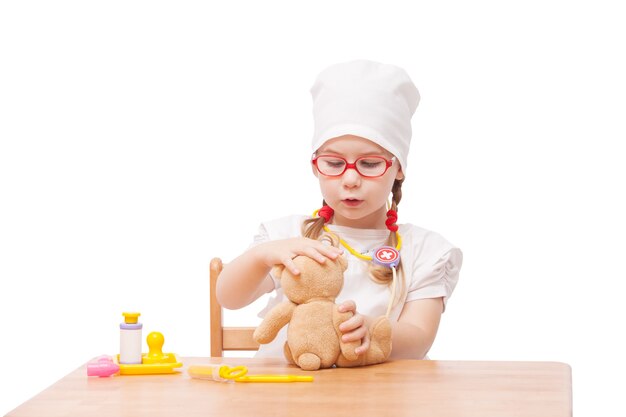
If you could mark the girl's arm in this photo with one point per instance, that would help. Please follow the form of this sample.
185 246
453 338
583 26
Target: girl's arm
415 331
411 337
246 278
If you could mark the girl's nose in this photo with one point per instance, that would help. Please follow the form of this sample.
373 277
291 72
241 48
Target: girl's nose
351 178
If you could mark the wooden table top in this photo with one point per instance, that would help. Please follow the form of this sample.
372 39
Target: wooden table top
396 388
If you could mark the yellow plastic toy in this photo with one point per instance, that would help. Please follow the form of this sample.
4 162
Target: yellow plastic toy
153 362
239 374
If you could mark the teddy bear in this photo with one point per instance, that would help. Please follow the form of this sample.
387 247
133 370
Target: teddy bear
313 336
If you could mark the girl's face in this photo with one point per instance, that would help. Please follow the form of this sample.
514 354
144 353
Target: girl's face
358 201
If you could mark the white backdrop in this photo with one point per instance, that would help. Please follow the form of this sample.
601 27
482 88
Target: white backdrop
140 139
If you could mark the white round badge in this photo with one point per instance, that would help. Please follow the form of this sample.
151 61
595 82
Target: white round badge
386 256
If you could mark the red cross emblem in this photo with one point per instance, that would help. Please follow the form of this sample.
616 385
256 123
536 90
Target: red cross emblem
386 256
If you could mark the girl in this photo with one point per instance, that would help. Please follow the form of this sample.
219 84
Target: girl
362 112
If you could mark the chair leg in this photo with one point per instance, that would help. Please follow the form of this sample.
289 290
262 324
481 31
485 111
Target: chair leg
215 310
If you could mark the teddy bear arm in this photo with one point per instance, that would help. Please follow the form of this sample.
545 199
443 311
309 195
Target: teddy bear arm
275 320
347 348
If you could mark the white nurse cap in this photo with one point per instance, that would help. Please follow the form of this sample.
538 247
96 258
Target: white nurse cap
368 99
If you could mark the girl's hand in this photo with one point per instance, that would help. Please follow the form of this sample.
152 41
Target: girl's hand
283 251
355 328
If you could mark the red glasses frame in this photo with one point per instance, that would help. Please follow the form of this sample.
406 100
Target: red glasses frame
348 165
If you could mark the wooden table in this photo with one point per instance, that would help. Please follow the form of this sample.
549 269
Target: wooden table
396 388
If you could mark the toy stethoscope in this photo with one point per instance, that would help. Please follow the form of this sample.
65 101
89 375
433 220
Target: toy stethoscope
384 256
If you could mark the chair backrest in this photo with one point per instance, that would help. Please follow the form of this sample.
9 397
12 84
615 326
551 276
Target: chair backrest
225 338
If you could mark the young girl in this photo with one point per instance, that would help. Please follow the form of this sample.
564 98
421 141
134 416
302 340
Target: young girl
362 112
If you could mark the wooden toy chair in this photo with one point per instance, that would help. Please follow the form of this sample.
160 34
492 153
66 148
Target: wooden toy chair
226 338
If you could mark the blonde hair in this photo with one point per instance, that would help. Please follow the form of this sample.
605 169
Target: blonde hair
313 228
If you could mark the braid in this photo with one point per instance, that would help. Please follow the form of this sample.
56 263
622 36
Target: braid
382 274
396 194
313 227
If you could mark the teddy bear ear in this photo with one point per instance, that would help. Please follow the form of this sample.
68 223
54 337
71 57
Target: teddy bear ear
277 271
343 262
330 239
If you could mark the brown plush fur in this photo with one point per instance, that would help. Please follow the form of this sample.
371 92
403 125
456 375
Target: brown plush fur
313 336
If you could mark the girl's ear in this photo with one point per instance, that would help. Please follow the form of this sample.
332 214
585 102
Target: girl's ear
400 175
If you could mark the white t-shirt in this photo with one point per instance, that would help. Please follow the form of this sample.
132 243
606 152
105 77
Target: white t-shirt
430 263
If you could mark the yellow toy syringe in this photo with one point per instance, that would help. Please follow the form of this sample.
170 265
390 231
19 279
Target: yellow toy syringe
225 373
274 378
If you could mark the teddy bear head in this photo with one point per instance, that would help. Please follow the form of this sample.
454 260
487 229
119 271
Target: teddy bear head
315 281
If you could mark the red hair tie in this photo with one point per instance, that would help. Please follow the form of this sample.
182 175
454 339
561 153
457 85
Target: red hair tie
392 218
326 213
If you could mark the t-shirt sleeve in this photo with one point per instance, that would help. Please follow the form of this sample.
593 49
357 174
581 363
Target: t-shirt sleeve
262 236
436 277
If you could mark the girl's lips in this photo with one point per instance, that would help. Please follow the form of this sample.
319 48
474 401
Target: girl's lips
352 202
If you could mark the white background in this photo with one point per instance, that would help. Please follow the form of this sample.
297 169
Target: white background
140 139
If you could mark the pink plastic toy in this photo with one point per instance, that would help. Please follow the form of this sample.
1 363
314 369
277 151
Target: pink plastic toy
102 366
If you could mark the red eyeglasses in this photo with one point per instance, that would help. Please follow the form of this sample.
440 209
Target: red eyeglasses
366 166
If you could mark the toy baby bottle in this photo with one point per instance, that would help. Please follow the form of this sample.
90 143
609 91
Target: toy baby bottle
130 339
